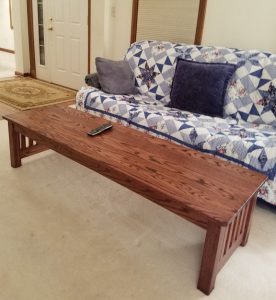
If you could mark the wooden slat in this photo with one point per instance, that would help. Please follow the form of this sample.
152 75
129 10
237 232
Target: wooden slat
33 150
23 142
238 225
229 232
251 206
245 211
232 239
30 143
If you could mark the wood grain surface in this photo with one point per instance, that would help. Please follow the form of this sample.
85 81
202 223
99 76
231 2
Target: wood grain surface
192 184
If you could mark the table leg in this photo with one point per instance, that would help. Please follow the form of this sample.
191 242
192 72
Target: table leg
14 138
212 252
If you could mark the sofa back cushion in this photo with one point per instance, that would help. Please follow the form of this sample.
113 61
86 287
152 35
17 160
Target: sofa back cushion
153 64
251 92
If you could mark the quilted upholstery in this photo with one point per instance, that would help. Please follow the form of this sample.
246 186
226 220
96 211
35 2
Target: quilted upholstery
250 144
251 93
153 64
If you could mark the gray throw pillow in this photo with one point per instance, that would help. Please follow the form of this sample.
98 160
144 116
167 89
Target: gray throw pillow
93 80
115 77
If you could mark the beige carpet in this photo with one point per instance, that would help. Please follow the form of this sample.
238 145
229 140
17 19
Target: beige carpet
68 233
25 93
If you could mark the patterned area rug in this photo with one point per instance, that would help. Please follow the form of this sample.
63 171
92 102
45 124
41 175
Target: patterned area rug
26 93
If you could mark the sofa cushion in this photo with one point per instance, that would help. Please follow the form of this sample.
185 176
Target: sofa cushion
115 77
200 87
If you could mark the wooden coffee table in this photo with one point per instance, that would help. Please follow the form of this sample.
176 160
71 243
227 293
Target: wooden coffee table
210 192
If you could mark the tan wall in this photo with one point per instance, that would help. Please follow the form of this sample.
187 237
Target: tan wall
246 24
97 30
121 28
110 29
21 42
6 33
164 20
236 23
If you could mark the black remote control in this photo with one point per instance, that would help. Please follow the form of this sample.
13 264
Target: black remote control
100 129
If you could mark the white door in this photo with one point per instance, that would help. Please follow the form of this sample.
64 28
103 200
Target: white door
61 41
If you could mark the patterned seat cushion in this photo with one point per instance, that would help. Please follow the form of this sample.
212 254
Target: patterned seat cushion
250 145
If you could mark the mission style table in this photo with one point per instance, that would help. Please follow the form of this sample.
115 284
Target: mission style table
209 192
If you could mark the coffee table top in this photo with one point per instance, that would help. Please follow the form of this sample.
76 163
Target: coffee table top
180 179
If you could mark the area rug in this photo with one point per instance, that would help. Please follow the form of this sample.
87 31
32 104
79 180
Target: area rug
26 93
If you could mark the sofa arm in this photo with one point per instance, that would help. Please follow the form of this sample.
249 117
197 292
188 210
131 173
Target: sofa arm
93 80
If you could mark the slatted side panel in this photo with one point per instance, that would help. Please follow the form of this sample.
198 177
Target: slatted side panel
29 146
235 233
164 20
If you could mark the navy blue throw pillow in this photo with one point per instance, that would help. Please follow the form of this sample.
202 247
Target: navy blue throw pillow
200 87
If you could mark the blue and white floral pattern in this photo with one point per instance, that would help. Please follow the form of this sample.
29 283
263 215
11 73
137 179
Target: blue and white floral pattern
247 141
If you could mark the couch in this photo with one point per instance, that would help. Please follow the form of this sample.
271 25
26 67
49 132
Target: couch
246 135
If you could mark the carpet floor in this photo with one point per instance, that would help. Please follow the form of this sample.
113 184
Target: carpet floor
69 233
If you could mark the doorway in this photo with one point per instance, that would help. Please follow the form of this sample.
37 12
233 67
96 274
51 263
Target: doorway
61 41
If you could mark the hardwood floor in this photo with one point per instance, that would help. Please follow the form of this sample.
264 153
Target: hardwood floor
6 109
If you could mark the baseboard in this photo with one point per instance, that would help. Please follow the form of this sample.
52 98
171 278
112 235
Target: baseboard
7 50
22 74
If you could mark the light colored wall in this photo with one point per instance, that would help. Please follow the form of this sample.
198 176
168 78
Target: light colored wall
21 43
110 29
97 31
121 27
6 33
164 20
110 35
245 24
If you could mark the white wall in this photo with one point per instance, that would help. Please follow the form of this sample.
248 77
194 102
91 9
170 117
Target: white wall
97 30
6 33
121 27
110 29
245 24
21 42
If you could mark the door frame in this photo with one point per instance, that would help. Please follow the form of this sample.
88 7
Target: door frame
31 37
199 27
